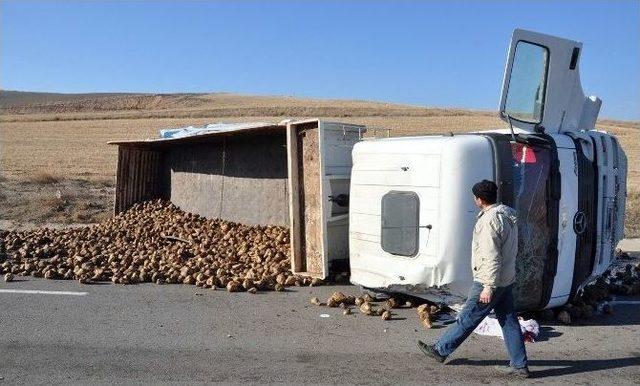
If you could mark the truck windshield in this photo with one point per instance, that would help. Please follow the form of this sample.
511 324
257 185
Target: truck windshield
531 168
527 82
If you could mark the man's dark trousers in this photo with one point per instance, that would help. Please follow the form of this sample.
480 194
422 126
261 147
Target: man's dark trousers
474 312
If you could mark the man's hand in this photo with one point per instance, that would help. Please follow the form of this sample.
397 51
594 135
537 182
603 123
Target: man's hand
485 295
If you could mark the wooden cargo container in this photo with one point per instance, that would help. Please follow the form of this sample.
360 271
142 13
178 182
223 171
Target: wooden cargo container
286 174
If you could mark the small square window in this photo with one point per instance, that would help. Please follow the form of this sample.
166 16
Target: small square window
400 223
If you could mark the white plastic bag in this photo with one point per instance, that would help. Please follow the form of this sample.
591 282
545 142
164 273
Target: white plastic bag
490 327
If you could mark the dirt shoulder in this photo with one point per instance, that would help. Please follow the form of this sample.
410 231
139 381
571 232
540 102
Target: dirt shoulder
47 200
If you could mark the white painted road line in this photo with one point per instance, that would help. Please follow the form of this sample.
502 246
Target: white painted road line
38 292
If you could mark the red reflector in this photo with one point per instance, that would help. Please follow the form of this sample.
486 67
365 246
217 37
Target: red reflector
523 154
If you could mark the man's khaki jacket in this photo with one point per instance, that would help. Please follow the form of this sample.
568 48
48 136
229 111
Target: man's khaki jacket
495 246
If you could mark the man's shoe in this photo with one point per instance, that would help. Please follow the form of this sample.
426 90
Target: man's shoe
431 351
514 372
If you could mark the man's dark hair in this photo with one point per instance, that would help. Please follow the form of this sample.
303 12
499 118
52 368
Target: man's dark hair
486 190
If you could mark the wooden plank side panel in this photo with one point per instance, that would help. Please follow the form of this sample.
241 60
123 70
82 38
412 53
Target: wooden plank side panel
135 164
152 175
123 187
116 197
147 193
119 181
155 175
295 227
159 178
138 177
310 191
128 198
144 162
133 182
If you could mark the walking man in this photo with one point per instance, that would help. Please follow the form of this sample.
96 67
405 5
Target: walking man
493 253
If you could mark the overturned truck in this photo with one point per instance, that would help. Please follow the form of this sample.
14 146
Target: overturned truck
412 216
398 212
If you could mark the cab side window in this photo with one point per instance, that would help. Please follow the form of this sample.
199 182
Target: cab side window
400 223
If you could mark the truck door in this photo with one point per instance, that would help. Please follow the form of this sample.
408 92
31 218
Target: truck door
541 90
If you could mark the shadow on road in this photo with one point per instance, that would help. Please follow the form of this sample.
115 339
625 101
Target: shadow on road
562 366
547 333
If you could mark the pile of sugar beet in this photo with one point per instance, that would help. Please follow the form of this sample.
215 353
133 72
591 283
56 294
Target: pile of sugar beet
156 242
622 280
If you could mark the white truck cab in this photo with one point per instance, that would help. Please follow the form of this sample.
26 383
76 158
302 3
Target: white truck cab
411 213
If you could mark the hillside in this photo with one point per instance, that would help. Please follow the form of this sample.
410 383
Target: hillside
10 99
22 106
51 143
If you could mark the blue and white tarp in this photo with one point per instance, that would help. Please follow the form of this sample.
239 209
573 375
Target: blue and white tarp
190 131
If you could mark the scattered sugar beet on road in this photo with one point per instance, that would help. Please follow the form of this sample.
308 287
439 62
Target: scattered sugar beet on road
147 333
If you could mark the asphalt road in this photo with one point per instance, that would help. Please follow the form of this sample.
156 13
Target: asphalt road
183 334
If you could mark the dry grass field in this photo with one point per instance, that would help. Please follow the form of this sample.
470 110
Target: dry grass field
55 164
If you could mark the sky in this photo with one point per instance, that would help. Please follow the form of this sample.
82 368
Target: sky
430 53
